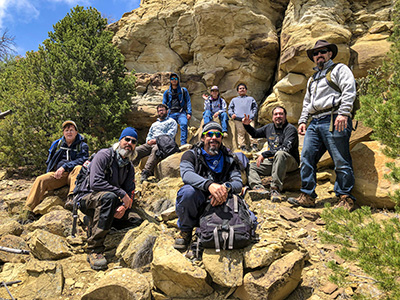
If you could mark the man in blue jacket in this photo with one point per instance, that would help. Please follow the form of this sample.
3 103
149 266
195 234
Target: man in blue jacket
177 99
66 156
209 171
108 193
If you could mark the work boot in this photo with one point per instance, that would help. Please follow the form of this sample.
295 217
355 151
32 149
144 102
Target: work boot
97 261
276 195
144 176
345 202
69 204
303 200
259 193
183 240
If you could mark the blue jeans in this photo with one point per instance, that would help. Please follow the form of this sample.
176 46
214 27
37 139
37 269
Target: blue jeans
190 204
181 119
223 117
318 139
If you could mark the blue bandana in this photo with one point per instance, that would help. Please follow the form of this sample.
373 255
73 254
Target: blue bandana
214 162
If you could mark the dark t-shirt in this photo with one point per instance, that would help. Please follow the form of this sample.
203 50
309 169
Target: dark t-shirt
175 105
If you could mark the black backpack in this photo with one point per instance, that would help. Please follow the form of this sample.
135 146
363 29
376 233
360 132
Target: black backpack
166 146
227 226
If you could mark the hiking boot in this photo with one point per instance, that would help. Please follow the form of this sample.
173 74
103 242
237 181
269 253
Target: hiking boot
258 193
69 204
276 195
346 202
145 175
225 135
254 147
97 261
26 217
303 200
183 240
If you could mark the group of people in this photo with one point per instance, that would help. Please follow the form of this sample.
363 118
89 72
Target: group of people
210 171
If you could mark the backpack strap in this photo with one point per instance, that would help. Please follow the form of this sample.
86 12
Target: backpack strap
328 78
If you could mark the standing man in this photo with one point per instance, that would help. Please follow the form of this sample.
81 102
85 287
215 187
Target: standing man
215 107
238 107
177 99
282 155
163 126
329 100
66 156
209 171
108 192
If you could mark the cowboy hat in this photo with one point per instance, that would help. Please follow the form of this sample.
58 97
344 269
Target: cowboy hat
322 44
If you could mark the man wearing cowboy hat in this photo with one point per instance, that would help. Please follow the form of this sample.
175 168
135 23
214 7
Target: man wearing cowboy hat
329 104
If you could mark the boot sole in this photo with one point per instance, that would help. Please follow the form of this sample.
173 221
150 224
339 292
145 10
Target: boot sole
295 203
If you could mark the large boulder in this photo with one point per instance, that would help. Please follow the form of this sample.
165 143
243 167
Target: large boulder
58 222
119 284
48 246
175 275
371 187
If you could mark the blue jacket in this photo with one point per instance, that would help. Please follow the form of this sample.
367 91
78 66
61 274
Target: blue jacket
183 95
76 154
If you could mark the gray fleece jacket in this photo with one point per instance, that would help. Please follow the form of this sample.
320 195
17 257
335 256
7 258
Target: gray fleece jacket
321 96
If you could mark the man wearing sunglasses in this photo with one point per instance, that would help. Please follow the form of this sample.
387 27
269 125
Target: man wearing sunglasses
177 99
163 126
209 171
110 193
329 99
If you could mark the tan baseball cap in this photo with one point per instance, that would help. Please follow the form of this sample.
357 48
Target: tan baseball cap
69 122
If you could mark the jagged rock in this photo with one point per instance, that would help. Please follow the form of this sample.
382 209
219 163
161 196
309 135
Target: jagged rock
40 280
263 253
47 246
275 282
289 214
225 267
11 227
175 275
369 164
47 203
169 214
119 284
136 247
58 222
15 242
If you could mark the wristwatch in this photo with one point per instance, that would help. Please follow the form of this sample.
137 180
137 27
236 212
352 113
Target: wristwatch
227 186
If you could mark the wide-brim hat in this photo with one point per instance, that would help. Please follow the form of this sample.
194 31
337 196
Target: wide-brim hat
322 44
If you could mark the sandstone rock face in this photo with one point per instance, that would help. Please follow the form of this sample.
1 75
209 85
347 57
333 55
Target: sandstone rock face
209 42
120 284
176 276
369 163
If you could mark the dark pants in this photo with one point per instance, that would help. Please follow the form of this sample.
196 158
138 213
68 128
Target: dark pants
190 204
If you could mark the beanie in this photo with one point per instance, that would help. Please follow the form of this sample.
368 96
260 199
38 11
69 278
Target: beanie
211 125
128 131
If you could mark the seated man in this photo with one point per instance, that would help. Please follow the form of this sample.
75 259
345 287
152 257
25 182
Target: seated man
109 192
209 171
66 156
163 126
215 106
282 155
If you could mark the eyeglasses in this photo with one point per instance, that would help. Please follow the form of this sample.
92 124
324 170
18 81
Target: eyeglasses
210 134
174 78
132 141
323 51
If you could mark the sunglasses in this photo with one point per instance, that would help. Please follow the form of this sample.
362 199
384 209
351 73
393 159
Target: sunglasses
323 51
132 141
210 134
174 78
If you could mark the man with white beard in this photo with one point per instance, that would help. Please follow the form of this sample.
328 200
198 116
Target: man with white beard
110 192
209 171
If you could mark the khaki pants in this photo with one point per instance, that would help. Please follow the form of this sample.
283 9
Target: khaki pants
282 163
47 182
150 151
241 134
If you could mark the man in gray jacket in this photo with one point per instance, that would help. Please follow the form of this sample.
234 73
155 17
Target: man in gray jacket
238 107
209 171
109 192
329 99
